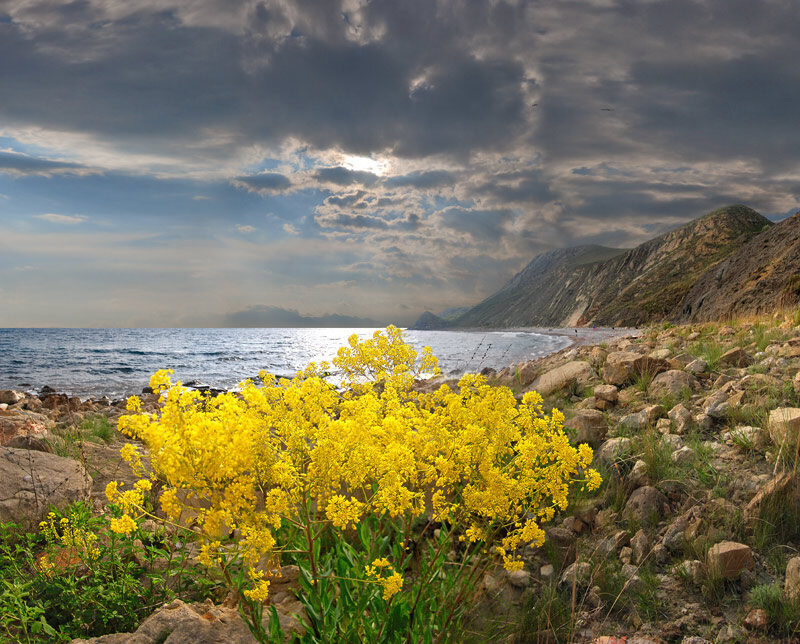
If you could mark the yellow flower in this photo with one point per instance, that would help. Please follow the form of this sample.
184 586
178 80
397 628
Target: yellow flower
123 525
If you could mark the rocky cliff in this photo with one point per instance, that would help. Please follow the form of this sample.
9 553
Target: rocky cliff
612 287
761 276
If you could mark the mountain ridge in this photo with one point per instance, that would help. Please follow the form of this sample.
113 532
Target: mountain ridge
614 287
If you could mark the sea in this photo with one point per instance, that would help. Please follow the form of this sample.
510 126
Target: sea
91 363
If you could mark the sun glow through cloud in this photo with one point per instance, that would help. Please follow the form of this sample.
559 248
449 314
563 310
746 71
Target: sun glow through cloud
365 164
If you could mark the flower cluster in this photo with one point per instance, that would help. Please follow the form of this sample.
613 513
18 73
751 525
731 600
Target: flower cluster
386 576
66 533
303 452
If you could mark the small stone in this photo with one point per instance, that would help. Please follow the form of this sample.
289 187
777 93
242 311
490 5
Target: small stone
672 383
647 504
491 583
729 558
613 449
697 367
681 418
683 456
791 586
691 569
756 620
634 422
546 572
640 546
736 357
519 578
719 411
578 573
608 393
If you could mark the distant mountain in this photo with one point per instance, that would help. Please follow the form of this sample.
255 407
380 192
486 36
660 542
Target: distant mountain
453 313
273 316
761 276
614 287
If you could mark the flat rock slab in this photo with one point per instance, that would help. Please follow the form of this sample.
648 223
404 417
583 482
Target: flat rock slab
32 482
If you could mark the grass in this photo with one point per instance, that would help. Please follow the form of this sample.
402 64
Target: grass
93 429
783 613
709 349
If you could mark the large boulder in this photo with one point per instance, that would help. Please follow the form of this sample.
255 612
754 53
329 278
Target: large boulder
33 482
576 371
22 423
11 396
672 383
589 425
623 366
181 623
784 426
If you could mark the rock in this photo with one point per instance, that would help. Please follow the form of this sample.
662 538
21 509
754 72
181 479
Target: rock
613 449
32 482
30 441
181 623
11 396
547 571
728 559
736 357
622 366
791 586
683 456
663 425
691 569
726 331
704 421
673 441
576 371
745 435
578 573
640 546
525 373
675 536
634 422
660 354
608 393
23 423
796 383
672 383
590 426
778 496
681 418
637 477
492 584
756 620
784 426
519 578
719 411
697 367
646 504
653 413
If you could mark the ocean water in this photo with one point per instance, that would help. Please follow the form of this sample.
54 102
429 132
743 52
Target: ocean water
119 362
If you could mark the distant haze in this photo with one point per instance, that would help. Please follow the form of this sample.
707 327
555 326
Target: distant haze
202 162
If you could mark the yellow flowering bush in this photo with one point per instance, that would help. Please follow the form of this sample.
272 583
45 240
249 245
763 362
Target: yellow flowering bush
290 461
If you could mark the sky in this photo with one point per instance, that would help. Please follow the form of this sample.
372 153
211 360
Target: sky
201 162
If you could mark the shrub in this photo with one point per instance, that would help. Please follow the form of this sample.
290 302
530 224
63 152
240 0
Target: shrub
388 499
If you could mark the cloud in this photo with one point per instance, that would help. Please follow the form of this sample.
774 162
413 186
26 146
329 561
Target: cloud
18 164
69 220
245 229
268 182
342 176
422 180
290 229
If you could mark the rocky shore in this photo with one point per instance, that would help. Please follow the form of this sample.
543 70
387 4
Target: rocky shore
693 537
